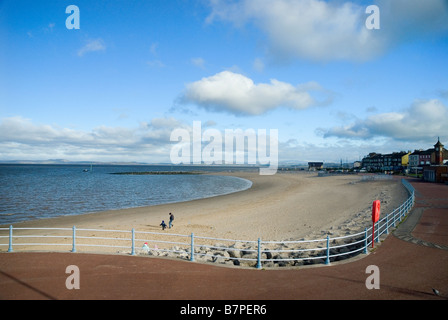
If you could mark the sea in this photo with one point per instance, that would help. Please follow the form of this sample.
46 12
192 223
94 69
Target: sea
30 191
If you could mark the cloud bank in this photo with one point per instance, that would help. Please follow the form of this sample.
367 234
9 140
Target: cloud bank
422 121
21 138
235 93
325 31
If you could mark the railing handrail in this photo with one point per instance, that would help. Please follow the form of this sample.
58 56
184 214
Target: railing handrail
362 240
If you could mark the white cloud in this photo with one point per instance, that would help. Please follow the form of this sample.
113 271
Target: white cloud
324 31
92 46
422 121
21 138
235 93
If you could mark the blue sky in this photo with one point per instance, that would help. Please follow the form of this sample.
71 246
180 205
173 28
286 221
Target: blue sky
116 88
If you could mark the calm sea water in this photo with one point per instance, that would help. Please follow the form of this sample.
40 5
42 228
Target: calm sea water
29 192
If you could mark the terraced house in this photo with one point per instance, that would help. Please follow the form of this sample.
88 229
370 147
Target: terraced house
418 161
392 162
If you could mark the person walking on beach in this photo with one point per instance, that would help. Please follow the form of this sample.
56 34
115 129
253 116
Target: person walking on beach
163 224
171 220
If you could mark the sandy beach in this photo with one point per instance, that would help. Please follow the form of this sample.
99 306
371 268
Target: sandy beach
285 206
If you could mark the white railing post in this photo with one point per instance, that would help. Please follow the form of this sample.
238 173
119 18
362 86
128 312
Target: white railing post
259 254
387 223
133 243
327 261
74 239
192 247
10 239
394 214
377 231
365 241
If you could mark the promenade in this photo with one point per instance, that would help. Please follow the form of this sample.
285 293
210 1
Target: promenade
411 262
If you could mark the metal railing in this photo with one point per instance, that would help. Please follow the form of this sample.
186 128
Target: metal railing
206 249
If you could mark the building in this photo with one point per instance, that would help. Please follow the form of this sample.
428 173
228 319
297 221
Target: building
414 159
313 166
419 159
437 171
396 161
373 162
438 147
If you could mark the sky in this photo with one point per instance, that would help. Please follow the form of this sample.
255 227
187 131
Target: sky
334 86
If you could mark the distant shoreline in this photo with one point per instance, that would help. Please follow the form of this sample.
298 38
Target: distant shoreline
157 172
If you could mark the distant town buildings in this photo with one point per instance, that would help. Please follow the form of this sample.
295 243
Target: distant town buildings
396 161
420 158
431 162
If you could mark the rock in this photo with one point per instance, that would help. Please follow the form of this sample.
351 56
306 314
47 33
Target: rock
343 250
252 255
238 245
223 254
281 263
248 251
234 253
280 256
297 263
184 256
270 264
219 247
227 262
153 253
248 263
200 258
268 254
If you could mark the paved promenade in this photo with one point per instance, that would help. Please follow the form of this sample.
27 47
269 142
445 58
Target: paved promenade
411 262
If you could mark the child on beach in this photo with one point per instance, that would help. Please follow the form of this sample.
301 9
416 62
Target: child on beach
163 224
